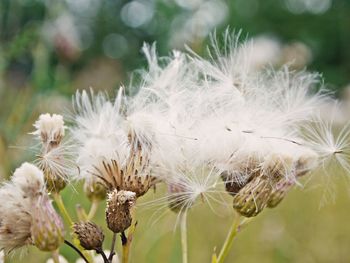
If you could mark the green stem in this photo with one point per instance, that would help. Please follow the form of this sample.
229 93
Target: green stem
58 199
93 209
183 226
229 239
56 256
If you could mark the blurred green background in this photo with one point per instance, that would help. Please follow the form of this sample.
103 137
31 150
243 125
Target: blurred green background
49 49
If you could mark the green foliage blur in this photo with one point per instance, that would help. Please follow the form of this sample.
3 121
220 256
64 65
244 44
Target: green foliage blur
49 49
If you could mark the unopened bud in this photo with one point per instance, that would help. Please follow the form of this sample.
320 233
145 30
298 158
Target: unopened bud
95 190
253 197
54 183
90 235
119 204
279 191
47 228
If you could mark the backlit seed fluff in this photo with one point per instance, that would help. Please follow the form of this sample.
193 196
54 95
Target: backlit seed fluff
90 235
50 129
118 211
19 197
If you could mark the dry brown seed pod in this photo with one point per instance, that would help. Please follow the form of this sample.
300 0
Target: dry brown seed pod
119 204
279 191
90 235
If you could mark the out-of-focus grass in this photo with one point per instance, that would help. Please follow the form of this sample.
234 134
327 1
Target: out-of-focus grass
298 230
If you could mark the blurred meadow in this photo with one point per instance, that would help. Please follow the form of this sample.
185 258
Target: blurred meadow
50 49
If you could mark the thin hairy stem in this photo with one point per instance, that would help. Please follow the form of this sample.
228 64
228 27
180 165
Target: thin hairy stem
56 256
183 226
125 246
93 209
58 199
76 249
229 239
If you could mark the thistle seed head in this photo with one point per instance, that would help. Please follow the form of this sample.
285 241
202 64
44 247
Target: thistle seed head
19 195
119 204
253 197
47 228
90 235
50 129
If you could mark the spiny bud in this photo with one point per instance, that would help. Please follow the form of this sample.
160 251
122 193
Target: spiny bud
90 235
47 229
95 190
253 197
279 191
118 215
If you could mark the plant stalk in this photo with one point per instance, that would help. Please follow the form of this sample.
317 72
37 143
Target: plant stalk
56 256
183 226
76 249
229 239
58 199
93 209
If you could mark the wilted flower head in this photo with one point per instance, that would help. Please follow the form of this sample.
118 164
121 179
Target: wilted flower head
25 196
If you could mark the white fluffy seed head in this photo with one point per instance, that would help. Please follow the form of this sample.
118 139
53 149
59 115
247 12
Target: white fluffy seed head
29 179
50 128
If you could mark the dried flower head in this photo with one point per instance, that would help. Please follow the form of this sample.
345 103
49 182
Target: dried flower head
90 235
119 204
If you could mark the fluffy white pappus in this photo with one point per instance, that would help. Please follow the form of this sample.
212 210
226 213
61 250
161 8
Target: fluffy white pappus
25 189
49 128
15 218
95 116
29 179
95 151
61 259
333 148
59 161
